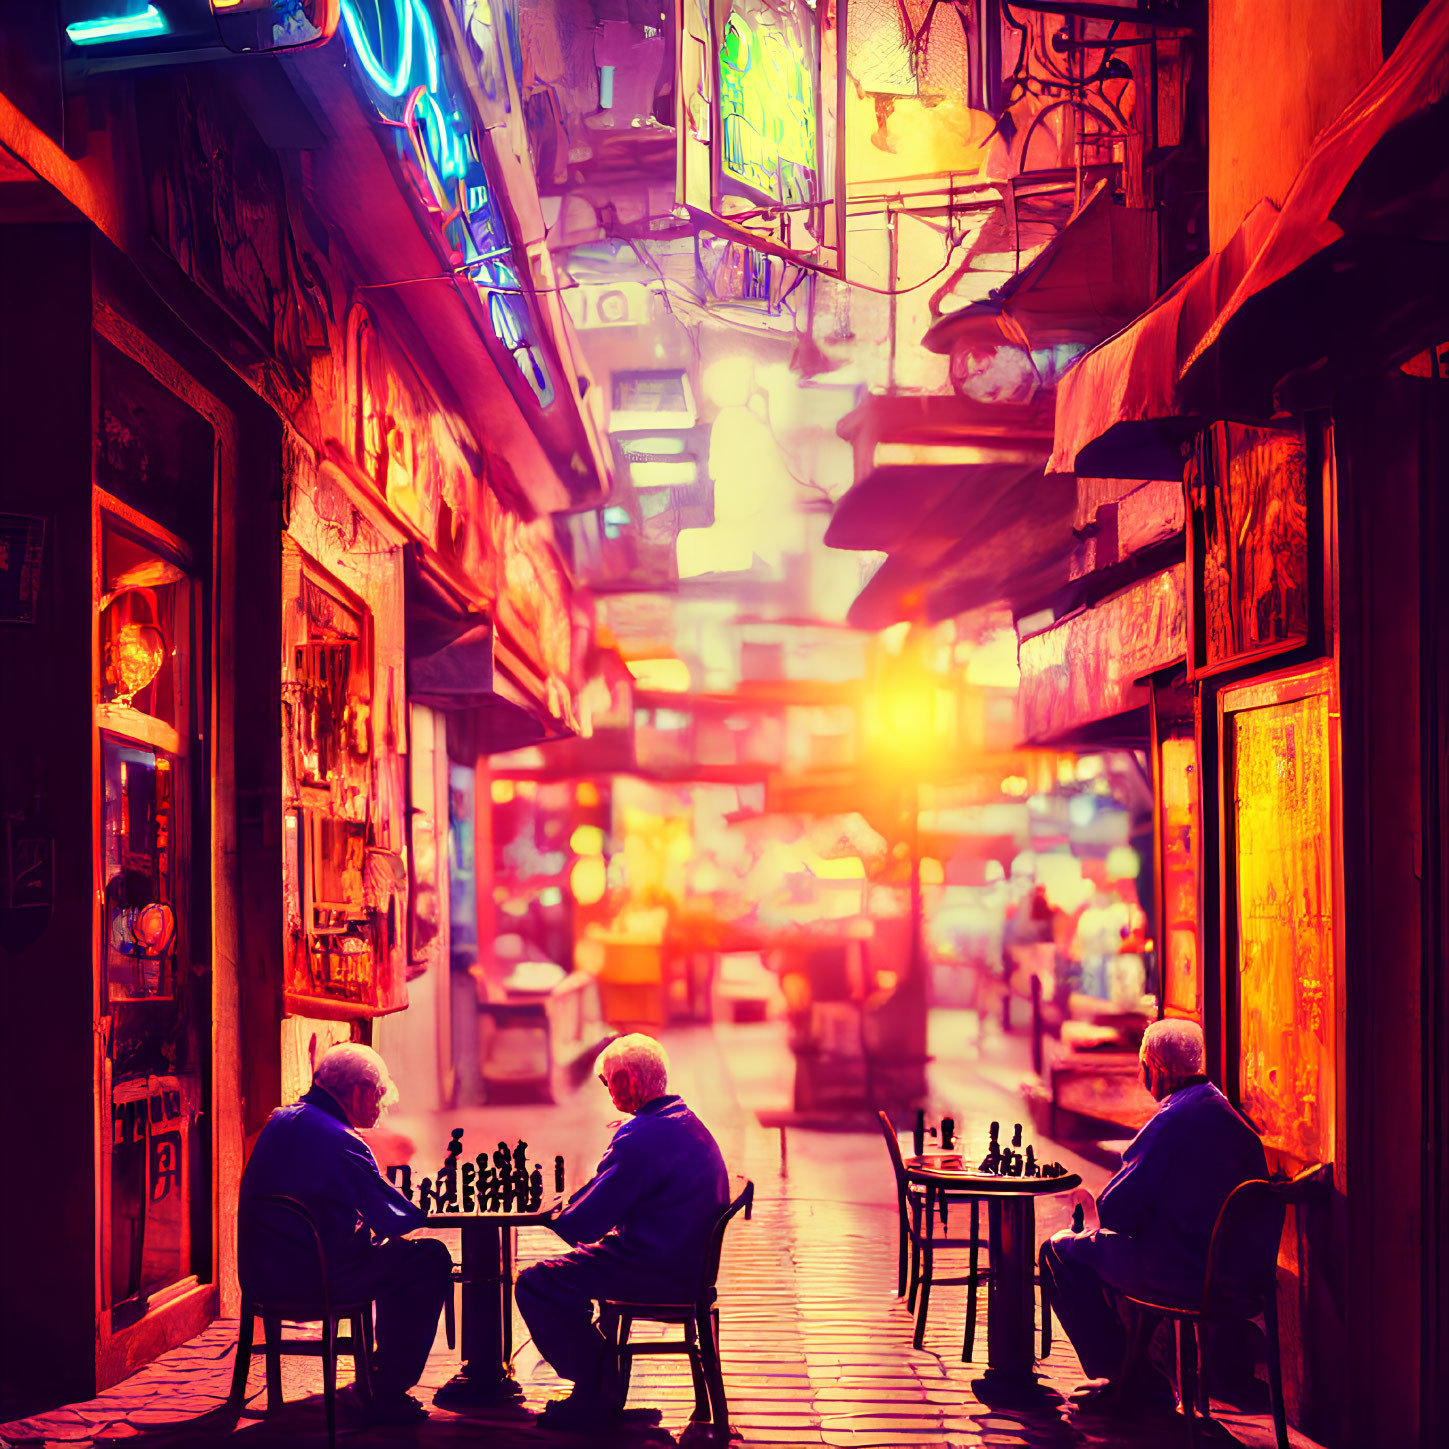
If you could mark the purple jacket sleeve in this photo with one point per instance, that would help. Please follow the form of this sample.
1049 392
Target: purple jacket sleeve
380 1205
604 1201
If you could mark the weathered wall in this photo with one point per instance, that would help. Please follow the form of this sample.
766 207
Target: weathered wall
1278 72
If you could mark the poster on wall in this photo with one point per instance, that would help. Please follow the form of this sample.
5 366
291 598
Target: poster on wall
1248 494
1282 834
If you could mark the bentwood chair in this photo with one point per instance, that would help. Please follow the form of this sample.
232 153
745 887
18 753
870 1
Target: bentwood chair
699 1319
1241 1283
319 1309
917 1209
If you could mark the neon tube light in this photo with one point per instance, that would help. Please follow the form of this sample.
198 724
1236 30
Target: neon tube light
117 27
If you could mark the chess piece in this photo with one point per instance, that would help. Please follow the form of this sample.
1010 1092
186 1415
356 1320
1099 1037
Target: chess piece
401 1177
535 1189
488 1189
520 1157
1030 1169
425 1195
1079 1219
505 1182
918 1132
470 1174
1016 1136
948 1133
455 1145
520 1187
558 1174
502 1157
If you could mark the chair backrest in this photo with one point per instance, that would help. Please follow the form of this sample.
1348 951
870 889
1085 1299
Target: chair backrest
898 1163
251 1220
709 1272
1242 1267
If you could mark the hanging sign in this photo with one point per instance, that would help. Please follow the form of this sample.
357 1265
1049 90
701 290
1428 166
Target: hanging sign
414 86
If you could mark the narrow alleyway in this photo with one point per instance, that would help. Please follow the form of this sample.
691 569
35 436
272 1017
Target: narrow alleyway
817 1348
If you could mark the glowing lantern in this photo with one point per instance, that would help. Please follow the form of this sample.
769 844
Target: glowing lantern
588 880
137 654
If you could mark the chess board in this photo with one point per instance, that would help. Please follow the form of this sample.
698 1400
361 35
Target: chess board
516 1217
501 1185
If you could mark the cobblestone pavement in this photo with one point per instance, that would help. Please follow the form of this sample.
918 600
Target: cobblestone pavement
816 1347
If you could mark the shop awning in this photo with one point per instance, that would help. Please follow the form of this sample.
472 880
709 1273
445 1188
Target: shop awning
1090 279
1356 266
1353 270
1119 410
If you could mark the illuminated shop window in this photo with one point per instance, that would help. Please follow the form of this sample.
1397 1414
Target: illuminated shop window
144 621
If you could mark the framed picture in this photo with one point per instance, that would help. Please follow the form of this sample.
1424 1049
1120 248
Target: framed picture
1255 520
1281 931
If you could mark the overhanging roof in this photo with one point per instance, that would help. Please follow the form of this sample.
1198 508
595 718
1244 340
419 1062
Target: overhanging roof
1091 278
1353 272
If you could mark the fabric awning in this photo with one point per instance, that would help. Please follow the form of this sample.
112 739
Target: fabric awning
1355 265
1119 410
1353 269
1090 279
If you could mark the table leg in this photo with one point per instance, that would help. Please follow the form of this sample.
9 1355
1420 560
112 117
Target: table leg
1010 1305
486 1376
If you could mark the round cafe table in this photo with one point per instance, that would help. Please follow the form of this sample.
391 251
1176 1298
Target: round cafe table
486 1324
1010 1376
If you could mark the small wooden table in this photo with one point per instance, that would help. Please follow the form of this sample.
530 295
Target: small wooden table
1011 1226
486 1324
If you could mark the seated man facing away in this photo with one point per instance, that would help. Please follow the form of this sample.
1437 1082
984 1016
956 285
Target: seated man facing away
1156 1215
643 1221
311 1152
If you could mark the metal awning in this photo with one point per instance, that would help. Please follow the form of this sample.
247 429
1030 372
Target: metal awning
1091 278
1353 271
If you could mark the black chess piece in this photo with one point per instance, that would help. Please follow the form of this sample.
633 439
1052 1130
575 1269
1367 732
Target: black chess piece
520 1187
1030 1169
401 1177
502 1157
1016 1136
520 1156
505 1183
426 1198
535 1189
488 1189
1079 1218
918 1132
455 1143
948 1133
470 1174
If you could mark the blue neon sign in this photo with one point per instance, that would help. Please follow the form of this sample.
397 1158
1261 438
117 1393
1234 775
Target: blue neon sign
107 28
415 91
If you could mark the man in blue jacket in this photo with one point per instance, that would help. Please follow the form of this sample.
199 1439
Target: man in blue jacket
311 1152
1156 1215
641 1227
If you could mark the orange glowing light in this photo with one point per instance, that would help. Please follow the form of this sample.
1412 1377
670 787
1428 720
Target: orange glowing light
588 880
669 676
137 655
587 793
587 840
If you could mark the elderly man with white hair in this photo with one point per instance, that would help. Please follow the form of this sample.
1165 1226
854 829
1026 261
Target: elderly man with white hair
641 1226
1156 1216
310 1151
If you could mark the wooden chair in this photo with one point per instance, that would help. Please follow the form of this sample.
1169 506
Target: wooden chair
699 1319
1248 1228
917 1208
274 1311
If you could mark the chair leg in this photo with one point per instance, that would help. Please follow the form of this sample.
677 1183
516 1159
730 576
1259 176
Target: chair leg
362 1353
1044 1284
713 1373
450 1322
902 1234
915 1255
272 1327
237 1398
969 1347
626 1360
923 1298
1187 1377
696 1373
1275 1369
329 1377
